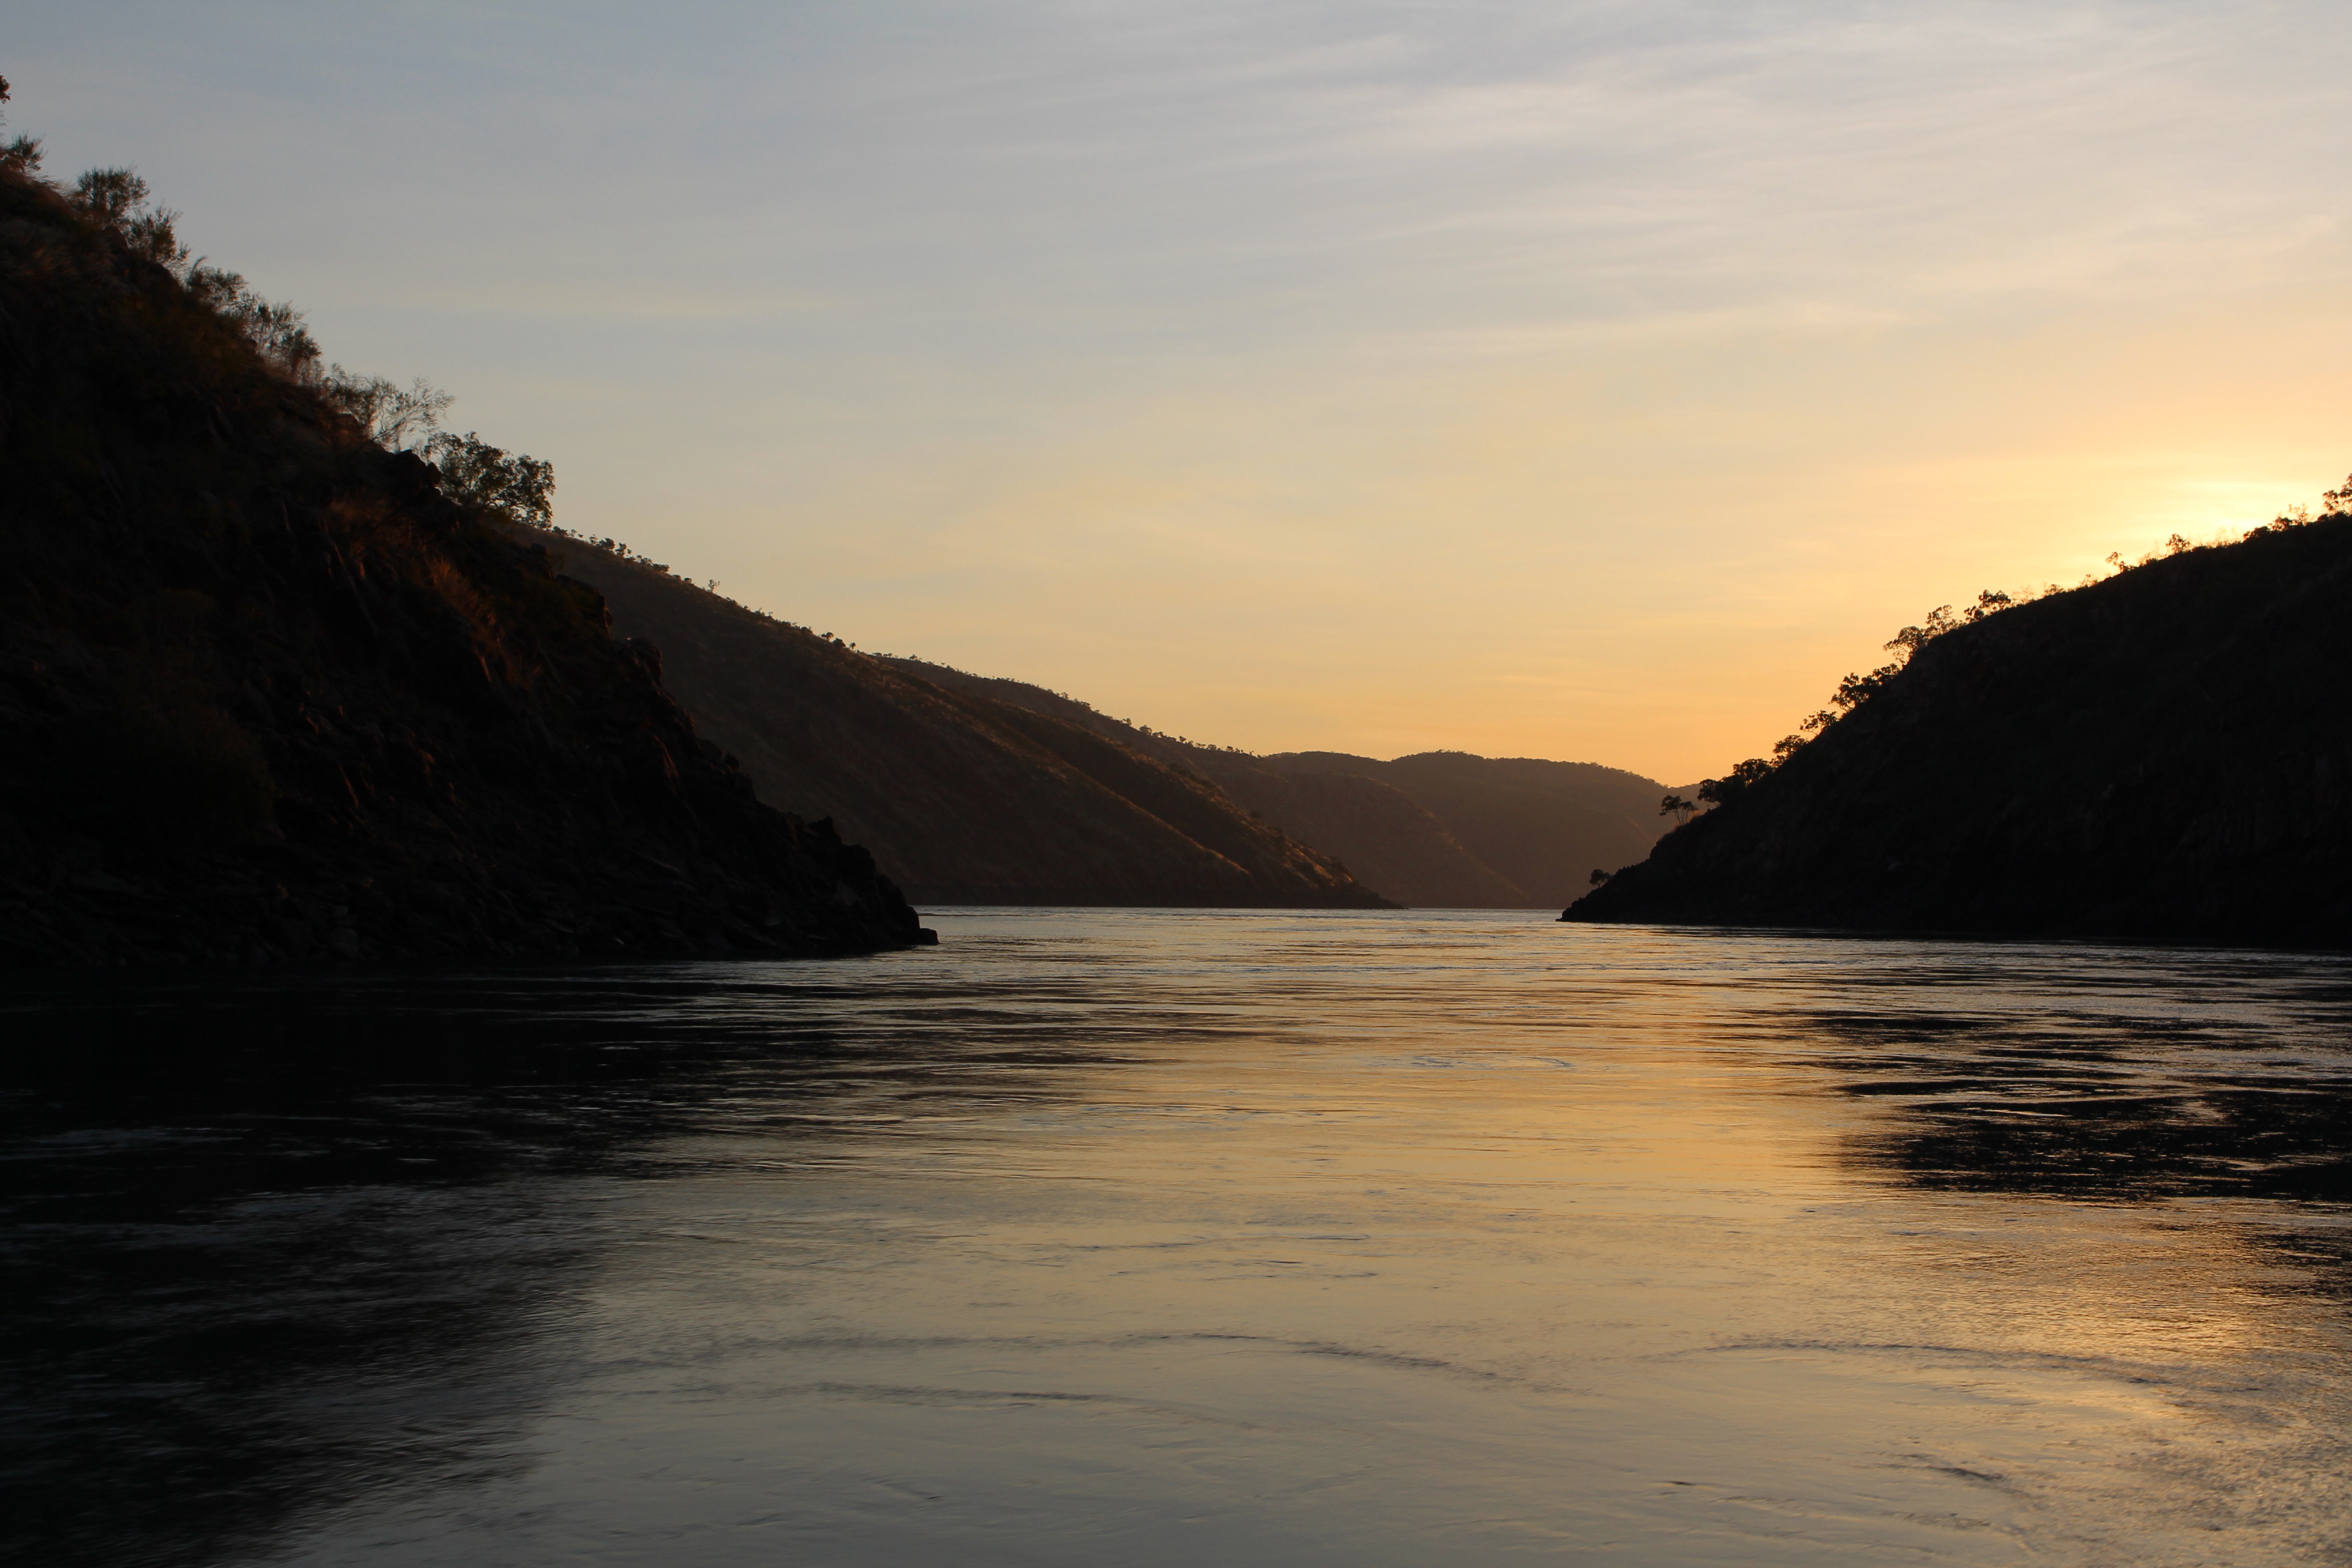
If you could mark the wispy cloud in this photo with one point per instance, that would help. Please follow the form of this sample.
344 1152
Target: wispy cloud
1040 335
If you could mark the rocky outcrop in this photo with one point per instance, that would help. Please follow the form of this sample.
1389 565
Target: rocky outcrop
2166 754
963 799
266 694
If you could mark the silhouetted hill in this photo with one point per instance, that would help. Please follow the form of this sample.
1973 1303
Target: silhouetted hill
1440 830
2165 754
1541 827
963 799
266 692
1394 842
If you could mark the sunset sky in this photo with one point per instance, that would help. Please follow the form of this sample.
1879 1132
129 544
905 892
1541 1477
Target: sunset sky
1531 377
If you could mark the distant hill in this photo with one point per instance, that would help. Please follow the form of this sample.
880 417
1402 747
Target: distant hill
1390 840
963 799
1542 826
1439 830
267 692
2164 754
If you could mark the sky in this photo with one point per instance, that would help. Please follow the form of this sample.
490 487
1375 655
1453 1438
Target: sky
1557 378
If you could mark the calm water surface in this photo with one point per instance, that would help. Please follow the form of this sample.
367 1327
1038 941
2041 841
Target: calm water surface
1132 1238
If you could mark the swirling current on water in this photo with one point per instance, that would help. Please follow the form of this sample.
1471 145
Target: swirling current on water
1166 1237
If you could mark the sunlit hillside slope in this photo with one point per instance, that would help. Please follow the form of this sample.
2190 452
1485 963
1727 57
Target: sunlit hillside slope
963 799
2164 754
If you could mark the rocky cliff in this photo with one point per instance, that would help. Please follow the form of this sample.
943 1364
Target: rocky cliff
963 799
267 693
2165 754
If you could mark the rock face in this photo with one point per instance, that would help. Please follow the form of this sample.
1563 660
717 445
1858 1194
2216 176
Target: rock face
2163 755
963 799
267 694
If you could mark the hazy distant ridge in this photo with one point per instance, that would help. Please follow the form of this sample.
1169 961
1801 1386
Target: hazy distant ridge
1440 829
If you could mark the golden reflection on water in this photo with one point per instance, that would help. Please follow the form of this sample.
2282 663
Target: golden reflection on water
1121 1236
1527 1252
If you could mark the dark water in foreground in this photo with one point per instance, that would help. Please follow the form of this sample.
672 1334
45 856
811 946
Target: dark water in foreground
1119 1237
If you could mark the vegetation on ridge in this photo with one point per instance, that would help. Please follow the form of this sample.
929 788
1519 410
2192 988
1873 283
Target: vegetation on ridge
2165 752
271 687
117 200
1855 690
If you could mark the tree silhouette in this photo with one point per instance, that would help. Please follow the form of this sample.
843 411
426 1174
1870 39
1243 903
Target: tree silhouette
397 417
23 155
474 471
1737 782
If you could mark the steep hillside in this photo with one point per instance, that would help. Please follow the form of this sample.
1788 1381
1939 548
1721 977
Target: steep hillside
267 693
2166 754
963 798
1440 830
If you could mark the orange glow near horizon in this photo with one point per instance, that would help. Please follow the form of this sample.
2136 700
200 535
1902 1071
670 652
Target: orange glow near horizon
1510 577
1559 379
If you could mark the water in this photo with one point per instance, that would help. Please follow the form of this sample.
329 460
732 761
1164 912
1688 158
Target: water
1134 1237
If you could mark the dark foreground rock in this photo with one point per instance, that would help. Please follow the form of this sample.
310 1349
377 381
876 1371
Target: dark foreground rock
267 695
2163 755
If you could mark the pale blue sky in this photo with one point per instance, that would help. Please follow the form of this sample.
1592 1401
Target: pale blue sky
1580 380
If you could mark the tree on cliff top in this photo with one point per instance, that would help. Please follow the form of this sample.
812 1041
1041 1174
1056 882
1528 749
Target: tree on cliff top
509 485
